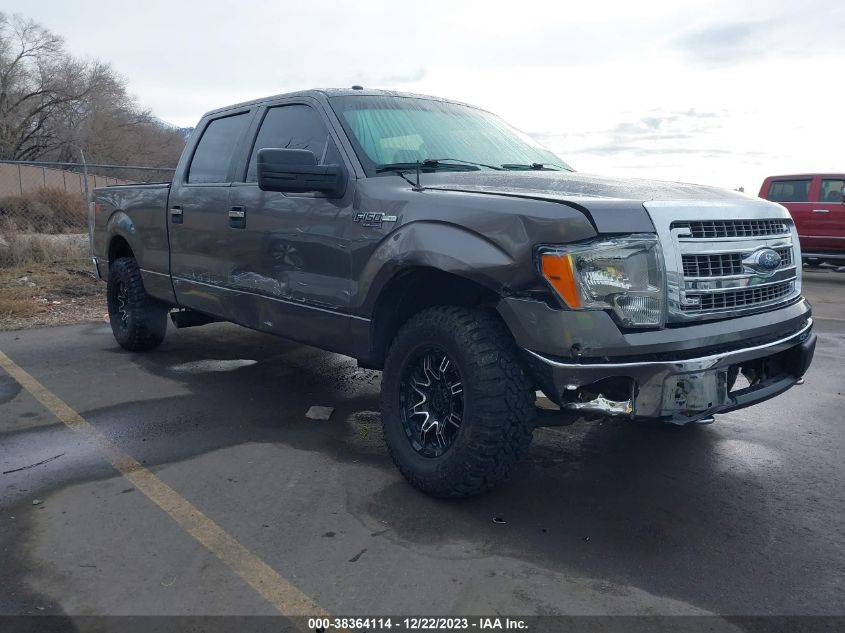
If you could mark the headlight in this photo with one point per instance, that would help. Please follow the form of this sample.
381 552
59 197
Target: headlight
624 275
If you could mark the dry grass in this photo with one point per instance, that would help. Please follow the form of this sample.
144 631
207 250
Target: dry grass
47 293
18 249
44 211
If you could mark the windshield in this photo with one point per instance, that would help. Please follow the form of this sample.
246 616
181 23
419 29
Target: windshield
402 130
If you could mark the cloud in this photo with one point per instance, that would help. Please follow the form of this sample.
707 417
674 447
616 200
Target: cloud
638 150
651 133
722 44
805 32
658 124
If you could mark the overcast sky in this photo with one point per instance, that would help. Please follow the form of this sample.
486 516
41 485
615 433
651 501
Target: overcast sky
721 93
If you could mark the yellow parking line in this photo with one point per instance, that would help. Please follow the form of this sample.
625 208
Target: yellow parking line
287 599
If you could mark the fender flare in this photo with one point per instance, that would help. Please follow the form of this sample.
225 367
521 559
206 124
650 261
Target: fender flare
121 225
432 244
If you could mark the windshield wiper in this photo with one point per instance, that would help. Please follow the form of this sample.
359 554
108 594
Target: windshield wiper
428 164
464 162
437 163
531 167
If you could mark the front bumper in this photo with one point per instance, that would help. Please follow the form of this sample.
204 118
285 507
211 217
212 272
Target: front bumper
685 390
685 374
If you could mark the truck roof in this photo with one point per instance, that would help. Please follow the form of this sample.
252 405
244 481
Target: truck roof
335 92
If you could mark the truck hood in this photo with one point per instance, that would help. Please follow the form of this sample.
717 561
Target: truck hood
613 205
571 186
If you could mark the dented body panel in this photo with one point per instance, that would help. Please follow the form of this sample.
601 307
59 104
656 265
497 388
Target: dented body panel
487 239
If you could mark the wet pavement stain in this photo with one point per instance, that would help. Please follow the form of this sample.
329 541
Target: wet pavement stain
357 556
208 366
9 388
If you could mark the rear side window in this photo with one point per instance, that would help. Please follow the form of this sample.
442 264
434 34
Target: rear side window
214 152
831 190
789 191
293 127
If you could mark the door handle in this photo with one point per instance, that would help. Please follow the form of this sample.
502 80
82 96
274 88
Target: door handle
821 210
237 217
176 214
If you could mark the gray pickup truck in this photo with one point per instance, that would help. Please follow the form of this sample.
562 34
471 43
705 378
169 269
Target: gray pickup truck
431 240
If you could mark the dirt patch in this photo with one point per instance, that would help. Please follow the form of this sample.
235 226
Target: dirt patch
50 293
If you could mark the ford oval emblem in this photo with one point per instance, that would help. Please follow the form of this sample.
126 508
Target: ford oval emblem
767 259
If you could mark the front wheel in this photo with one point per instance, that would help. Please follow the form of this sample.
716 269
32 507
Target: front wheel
457 408
138 321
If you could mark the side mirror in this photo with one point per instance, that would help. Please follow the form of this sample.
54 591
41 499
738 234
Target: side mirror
843 195
297 171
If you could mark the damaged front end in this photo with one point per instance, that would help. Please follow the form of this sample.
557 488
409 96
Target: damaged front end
702 316
681 390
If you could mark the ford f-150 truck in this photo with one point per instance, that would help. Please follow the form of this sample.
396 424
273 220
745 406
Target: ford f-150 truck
431 240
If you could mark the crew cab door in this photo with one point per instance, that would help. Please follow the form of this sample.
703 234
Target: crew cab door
826 228
198 217
291 251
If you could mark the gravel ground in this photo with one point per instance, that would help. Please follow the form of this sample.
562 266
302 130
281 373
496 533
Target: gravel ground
47 294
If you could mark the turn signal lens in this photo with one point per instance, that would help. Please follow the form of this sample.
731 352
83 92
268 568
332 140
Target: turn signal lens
558 270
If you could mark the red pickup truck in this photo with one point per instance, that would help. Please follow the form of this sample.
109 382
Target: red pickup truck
817 205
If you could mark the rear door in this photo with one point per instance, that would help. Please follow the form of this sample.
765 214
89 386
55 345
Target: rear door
793 192
198 214
828 215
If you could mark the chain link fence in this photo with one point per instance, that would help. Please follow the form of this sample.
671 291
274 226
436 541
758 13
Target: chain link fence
44 206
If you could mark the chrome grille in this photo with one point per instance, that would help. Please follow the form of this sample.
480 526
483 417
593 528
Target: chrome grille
725 264
709 229
714 263
753 297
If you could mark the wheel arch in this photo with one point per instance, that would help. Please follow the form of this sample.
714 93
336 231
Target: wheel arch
424 264
122 236
119 247
412 290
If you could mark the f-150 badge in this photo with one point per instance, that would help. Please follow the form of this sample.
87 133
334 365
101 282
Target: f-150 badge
373 219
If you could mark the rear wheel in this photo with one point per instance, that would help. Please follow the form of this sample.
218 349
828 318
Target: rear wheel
138 321
813 261
457 408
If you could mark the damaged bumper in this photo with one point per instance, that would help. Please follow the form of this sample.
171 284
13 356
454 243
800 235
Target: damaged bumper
684 390
758 359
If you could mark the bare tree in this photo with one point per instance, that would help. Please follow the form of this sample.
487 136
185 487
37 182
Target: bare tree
52 104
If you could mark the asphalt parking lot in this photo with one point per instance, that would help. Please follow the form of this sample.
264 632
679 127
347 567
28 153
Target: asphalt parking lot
741 517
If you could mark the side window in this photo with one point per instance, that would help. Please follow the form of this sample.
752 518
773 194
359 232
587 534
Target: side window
214 151
789 191
293 127
832 190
